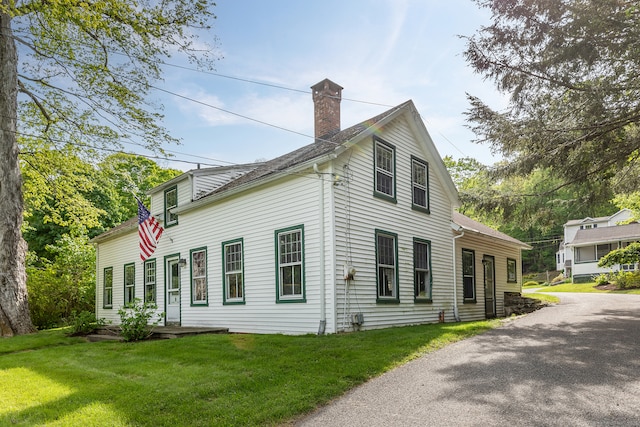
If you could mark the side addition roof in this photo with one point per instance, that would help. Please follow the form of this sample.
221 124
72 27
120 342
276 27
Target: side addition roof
468 224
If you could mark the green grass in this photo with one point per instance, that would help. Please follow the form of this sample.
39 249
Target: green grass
48 379
585 287
543 297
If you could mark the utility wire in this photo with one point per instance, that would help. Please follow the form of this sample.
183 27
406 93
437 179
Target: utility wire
255 82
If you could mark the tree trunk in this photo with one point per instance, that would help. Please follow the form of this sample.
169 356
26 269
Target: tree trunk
14 308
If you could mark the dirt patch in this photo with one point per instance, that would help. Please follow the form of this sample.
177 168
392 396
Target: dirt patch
607 287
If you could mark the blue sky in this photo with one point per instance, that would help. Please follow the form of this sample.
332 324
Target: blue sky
380 51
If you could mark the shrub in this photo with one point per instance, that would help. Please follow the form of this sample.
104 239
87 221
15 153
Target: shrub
531 283
627 279
602 279
84 323
558 278
63 285
134 320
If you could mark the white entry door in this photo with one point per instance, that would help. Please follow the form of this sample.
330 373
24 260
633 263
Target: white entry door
172 295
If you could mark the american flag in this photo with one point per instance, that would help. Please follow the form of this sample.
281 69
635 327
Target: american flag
149 231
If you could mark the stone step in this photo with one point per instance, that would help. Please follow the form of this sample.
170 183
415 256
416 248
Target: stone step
100 337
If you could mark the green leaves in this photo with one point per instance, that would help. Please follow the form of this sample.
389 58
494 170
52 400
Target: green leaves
571 69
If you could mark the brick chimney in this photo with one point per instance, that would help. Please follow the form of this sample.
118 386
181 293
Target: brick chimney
326 102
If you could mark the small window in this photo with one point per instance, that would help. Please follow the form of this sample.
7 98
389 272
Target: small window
386 262
233 271
129 283
290 264
602 250
586 254
420 184
385 170
511 270
150 281
468 275
107 296
199 276
170 202
422 269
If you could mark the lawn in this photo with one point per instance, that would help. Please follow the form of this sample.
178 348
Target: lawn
584 287
236 379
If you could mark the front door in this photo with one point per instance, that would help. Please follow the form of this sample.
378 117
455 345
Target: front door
489 286
172 296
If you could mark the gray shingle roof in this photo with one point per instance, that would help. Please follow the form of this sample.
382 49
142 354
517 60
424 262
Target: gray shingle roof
607 234
309 152
470 225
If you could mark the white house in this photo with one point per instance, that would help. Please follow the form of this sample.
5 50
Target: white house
357 230
589 239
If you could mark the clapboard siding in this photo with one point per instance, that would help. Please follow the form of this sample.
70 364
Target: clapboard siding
368 213
484 246
352 214
292 201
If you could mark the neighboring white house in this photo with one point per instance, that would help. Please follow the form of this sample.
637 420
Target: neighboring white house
589 239
357 230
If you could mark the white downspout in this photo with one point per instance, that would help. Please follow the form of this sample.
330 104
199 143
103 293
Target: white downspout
458 229
323 314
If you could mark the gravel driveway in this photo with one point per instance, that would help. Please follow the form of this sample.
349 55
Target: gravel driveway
573 364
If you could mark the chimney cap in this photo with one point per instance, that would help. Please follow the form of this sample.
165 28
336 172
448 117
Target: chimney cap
326 84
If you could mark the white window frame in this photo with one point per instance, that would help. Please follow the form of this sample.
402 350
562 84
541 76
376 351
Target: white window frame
290 256
419 269
129 284
512 270
386 273
388 171
107 293
150 281
198 274
170 218
233 272
420 186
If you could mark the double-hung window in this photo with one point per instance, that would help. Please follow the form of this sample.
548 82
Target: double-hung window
233 271
129 283
199 276
170 202
422 269
150 281
512 270
290 264
385 169
387 266
420 184
107 283
468 275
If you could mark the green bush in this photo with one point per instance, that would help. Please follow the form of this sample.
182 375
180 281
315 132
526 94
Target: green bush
602 279
63 285
134 320
84 323
531 283
627 279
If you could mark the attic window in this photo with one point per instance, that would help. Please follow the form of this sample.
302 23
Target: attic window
420 184
385 170
170 202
